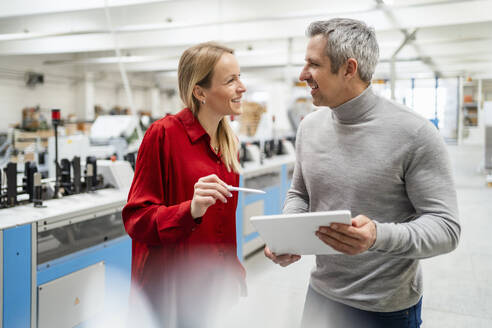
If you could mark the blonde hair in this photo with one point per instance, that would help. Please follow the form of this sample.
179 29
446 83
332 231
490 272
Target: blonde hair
196 67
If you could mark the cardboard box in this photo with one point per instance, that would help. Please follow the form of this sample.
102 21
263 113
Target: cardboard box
250 118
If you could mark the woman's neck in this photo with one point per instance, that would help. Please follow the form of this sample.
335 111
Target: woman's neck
209 120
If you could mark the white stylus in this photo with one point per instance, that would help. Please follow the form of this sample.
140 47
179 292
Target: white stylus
254 191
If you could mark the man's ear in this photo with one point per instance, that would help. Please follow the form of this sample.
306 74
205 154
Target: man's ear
351 67
199 93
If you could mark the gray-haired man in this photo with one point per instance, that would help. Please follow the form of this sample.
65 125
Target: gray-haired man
386 164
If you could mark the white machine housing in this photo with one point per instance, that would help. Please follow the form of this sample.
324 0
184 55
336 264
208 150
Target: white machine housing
119 174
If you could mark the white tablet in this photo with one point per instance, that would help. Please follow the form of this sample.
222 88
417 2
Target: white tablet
294 233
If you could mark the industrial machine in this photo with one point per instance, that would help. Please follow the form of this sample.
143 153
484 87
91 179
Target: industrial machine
62 263
268 164
63 246
115 135
274 177
72 179
257 150
487 108
5 148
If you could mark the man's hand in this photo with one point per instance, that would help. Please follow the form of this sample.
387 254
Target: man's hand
283 260
350 239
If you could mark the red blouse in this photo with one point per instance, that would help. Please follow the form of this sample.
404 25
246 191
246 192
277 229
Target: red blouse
170 251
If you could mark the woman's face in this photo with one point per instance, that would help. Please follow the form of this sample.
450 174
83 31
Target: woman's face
226 89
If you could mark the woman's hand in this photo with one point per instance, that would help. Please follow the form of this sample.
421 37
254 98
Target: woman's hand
208 190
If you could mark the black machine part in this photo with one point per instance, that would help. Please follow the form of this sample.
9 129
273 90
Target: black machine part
1 189
55 120
76 175
242 154
65 176
92 160
130 157
30 169
37 190
89 177
11 171
269 148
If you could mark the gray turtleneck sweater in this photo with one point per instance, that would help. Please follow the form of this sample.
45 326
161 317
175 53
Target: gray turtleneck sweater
377 158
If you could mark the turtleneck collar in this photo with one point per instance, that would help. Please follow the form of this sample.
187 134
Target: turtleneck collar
355 110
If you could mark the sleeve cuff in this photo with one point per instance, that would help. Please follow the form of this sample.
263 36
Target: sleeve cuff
180 219
184 217
383 235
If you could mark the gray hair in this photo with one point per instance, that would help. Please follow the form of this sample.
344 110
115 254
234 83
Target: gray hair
348 38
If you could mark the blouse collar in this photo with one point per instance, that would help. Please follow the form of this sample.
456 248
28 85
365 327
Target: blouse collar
192 126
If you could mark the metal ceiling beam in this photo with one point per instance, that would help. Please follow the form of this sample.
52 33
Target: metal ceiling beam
239 27
137 26
30 7
409 36
196 23
121 66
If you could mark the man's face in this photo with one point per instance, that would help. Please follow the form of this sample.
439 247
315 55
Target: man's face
326 87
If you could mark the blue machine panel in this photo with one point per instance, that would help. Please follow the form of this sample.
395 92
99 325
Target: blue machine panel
251 236
239 222
17 277
115 253
286 182
273 202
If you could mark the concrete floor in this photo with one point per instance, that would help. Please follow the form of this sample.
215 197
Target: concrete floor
458 286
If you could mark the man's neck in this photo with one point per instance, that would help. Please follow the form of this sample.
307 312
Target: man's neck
351 91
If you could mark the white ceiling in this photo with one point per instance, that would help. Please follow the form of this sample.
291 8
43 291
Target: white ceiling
452 38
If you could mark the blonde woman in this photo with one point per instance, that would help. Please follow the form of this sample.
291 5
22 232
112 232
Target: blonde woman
180 215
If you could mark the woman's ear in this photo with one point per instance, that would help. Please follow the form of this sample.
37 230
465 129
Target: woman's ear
199 93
